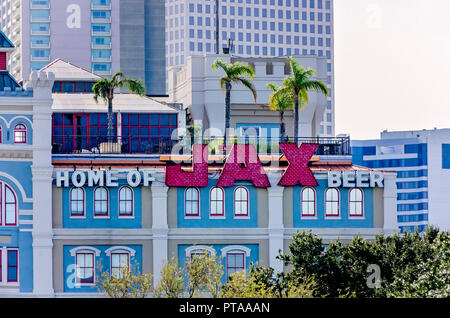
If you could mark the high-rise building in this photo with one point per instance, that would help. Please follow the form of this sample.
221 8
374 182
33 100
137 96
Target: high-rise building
103 36
258 28
421 159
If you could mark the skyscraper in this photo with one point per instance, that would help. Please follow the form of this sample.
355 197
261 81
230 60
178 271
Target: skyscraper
258 28
103 36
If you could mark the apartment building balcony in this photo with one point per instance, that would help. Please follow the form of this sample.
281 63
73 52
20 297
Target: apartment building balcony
39 6
40 45
102 73
101 59
101 46
101 33
40 32
101 20
40 20
101 6
40 59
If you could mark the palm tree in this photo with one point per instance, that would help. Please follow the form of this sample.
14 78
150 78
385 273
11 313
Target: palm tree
104 89
239 73
280 102
298 85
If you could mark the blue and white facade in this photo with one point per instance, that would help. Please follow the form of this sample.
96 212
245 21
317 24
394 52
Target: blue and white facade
421 159
75 205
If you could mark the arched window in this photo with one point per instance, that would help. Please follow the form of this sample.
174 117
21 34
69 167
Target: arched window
126 201
119 259
235 257
356 202
77 202
101 202
8 206
332 202
20 134
84 264
241 201
191 201
216 202
308 202
199 250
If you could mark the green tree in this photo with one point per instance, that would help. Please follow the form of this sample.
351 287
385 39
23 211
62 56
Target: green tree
204 273
280 102
236 73
298 85
130 283
104 89
240 285
171 282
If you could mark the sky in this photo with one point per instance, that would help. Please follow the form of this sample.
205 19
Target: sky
392 66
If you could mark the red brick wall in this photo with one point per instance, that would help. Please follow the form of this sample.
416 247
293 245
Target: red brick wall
2 61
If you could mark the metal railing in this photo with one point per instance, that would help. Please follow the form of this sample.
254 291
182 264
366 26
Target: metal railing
73 144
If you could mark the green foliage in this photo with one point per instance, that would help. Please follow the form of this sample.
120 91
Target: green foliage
171 283
131 283
411 264
240 285
203 275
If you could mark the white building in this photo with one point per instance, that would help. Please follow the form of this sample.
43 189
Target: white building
196 86
422 161
258 28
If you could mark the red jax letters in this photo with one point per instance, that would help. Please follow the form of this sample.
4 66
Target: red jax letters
175 177
298 170
243 164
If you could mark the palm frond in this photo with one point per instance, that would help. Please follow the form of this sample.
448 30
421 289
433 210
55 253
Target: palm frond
134 86
247 83
220 64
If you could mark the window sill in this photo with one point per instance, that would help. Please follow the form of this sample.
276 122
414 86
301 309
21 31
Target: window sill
192 217
331 217
126 217
11 284
77 217
102 217
356 217
306 217
245 217
219 217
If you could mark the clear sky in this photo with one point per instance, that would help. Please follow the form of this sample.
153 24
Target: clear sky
392 66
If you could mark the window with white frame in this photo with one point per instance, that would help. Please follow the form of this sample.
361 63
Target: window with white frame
241 201
216 202
77 202
120 257
308 198
332 202
8 205
192 202
9 266
356 202
101 207
235 258
199 250
85 269
126 201
20 134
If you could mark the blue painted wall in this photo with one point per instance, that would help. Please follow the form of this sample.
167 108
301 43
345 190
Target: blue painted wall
13 120
445 156
113 221
229 221
343 221
253 258
69 265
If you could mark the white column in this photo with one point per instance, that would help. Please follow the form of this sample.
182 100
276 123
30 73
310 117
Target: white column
276 226
42 170
390 203
160 227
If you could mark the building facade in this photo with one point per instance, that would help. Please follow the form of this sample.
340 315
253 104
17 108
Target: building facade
75 204
258 28
88 33
422 161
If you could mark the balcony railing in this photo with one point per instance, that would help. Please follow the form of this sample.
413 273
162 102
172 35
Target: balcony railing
71 144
